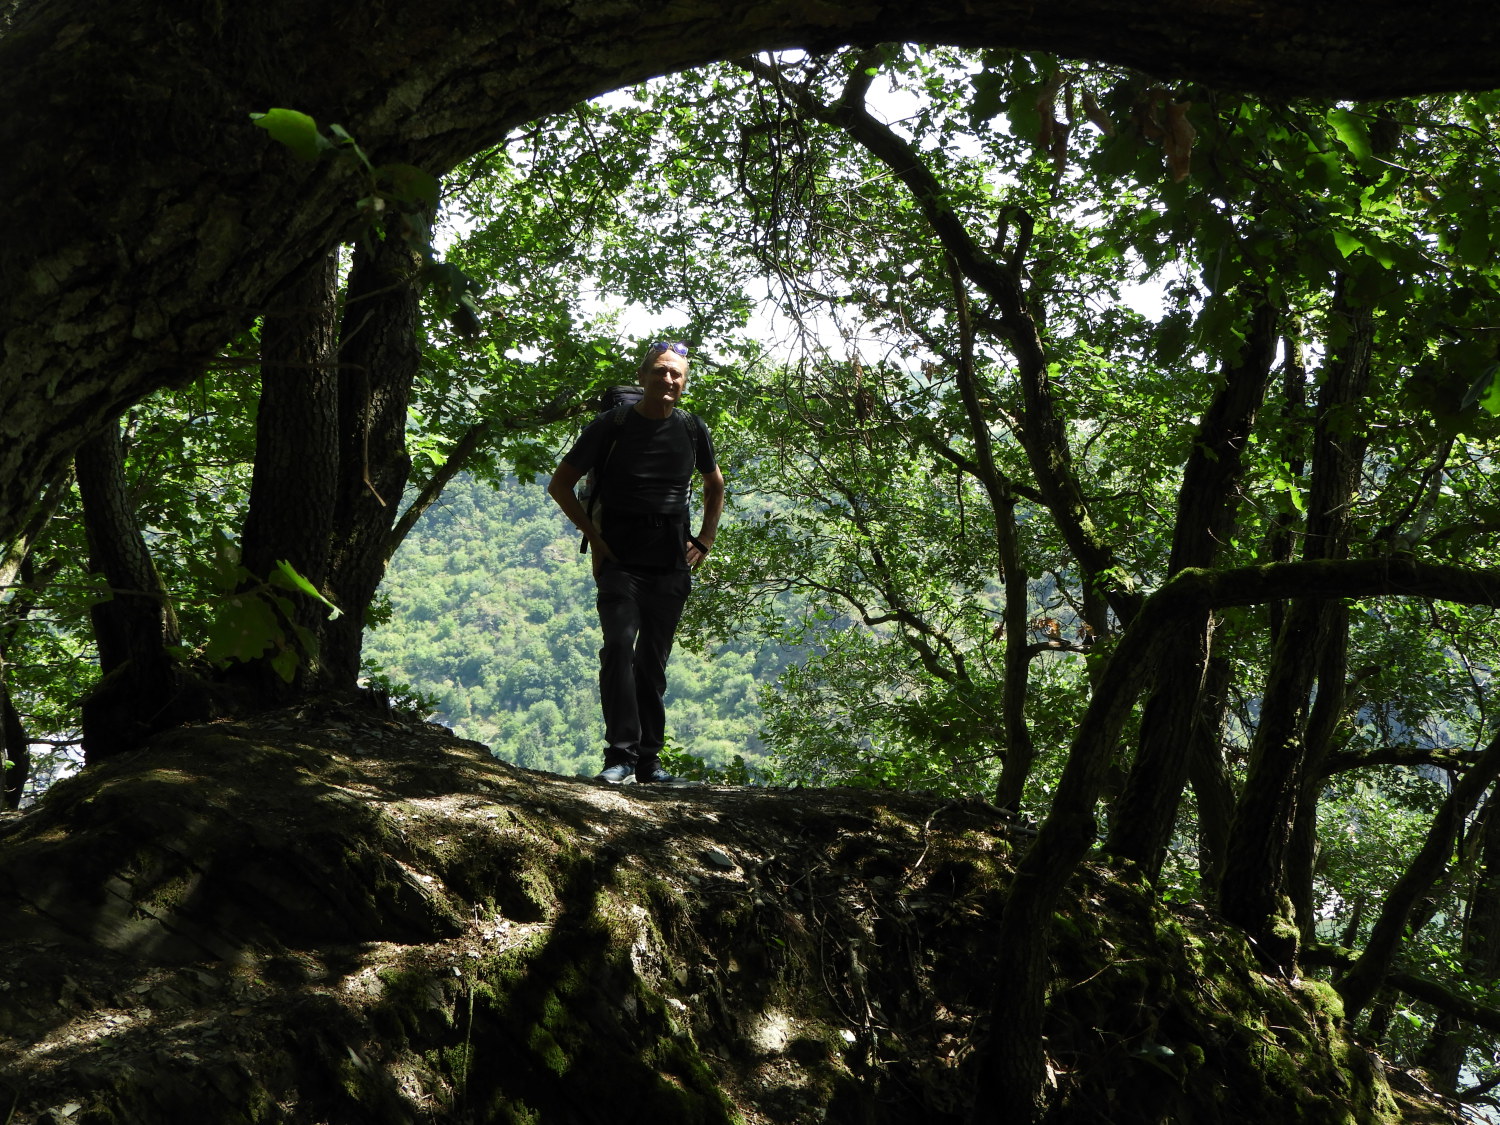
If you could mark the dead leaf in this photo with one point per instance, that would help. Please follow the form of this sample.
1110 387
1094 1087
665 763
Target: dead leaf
1178 142
1094 113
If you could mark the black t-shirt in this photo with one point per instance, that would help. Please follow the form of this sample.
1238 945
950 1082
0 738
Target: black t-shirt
644 484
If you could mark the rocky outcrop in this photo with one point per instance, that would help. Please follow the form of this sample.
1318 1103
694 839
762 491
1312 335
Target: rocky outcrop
328 916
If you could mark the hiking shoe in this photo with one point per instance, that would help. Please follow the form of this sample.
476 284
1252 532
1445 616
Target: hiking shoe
655 775
622 774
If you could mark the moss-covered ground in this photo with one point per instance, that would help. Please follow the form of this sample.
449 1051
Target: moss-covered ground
331 917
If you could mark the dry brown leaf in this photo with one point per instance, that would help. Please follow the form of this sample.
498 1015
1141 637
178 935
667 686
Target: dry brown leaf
1094 113
1046 105
1178 142
1148 113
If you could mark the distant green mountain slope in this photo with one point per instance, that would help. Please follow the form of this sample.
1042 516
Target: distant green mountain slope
492 611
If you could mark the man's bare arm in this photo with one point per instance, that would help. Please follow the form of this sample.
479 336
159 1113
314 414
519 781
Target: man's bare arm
560 488
713 508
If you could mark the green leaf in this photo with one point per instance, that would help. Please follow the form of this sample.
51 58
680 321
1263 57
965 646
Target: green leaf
244 628
1491 401
286 576
1485 390
296 130
1346 242
1351 130
465 317
1381 251
345 138
986 102
406 183
285 664
1022 112
1474 237
227 572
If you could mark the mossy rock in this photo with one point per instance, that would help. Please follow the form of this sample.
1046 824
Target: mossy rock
336 919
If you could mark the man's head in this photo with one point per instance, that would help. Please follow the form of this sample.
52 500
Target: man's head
663 373
663 348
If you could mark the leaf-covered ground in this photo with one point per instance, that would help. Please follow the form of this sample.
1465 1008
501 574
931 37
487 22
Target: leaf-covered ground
331 916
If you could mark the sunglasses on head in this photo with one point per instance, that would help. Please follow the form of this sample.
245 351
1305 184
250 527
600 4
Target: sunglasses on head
662 346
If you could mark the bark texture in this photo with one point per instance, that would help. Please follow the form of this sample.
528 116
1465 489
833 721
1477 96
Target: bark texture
296 450
158 222
290 518
1207 507
139 681
378 359
1208 772
1281 758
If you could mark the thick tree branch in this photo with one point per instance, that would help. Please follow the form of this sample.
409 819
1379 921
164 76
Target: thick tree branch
1358 985
1453 758
1310 647
1207 505
1042 434
1417 987
150 240
1013 1090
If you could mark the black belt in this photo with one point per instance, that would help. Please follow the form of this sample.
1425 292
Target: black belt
643 519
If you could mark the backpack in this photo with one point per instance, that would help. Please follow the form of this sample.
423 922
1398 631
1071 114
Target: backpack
616 401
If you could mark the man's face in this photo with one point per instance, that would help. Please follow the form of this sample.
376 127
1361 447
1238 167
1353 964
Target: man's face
665 378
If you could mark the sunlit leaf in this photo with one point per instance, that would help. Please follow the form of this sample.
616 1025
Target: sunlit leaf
1352 131
296 130
288 577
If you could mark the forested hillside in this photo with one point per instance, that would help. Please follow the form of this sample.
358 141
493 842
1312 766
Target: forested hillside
492 615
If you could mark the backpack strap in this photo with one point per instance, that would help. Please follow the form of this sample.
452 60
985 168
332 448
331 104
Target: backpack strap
592 504
614 439
695 430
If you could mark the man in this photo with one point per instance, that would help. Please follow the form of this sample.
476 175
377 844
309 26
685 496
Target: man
643 457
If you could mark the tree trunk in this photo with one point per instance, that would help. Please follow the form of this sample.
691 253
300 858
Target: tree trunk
1011 1084
378 360
1254 881
1013 1065
1358 986
290 517
1207 503
1209 774
1281 539
1020 752
15 604
140 681
1443 1055
1252 889
1322 727
15 746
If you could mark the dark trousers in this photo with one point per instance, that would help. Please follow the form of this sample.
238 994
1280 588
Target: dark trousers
638 612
